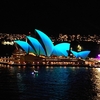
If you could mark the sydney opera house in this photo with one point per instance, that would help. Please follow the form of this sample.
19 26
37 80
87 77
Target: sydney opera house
44 47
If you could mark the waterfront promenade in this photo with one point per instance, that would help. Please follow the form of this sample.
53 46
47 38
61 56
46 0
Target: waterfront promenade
66 62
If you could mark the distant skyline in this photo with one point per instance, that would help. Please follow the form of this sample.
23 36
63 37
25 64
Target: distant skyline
50 17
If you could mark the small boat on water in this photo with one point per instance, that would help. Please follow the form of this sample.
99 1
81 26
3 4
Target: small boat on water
35 71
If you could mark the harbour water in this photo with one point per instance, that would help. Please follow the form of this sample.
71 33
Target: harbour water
50 83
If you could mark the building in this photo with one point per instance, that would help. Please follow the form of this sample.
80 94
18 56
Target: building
44 47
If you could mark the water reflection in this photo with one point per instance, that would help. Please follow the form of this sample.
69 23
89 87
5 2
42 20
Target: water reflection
50 83
96 81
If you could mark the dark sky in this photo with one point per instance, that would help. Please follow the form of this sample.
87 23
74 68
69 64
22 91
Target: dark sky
71 17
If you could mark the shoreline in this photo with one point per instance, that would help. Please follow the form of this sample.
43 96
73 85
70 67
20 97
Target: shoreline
68 65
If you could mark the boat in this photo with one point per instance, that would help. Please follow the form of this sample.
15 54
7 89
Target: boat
35 71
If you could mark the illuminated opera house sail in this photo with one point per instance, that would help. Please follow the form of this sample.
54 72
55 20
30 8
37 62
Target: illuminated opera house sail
45 46
82 54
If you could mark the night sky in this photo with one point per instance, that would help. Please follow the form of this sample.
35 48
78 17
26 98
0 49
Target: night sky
69 17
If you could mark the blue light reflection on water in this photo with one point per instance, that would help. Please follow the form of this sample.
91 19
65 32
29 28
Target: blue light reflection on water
52 83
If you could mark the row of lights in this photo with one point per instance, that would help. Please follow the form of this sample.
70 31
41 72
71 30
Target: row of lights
7 43
12 62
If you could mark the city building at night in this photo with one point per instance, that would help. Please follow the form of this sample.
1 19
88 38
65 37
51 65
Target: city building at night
44 46
42 51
